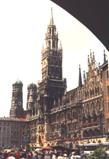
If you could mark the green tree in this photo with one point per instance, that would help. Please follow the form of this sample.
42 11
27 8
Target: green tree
99 153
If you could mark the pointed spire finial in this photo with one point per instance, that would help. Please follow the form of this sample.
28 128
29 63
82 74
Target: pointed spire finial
104 56
93 56
80 78
88 61
79 67
51 18
84 75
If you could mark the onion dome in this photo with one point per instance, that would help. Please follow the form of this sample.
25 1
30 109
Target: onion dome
32 86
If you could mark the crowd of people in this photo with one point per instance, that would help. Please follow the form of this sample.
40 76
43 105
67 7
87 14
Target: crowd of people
34 154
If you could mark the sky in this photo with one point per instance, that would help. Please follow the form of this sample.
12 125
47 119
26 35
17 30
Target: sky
23 24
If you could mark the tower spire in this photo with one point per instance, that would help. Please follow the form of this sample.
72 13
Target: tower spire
84 76
80 78
104 56
51 18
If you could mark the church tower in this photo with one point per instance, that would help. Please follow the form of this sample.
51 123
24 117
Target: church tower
17 100
52 85
31 98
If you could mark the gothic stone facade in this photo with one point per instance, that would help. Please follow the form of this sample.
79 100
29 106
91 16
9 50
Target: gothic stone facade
56 116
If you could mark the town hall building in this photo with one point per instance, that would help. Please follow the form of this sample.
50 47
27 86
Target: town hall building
54 115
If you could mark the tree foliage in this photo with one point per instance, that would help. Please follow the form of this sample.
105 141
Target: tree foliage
99 153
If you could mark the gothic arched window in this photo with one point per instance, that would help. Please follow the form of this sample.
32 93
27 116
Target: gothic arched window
49 43
53 44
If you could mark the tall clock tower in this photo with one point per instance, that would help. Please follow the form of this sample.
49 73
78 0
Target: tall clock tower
52 86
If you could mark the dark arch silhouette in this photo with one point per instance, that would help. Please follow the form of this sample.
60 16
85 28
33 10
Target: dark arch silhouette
94 14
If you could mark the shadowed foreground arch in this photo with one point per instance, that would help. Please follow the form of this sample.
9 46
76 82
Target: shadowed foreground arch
94 14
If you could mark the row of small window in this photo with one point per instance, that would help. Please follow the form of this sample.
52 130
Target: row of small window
52 44
55 61
92 92
51 30
69 116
